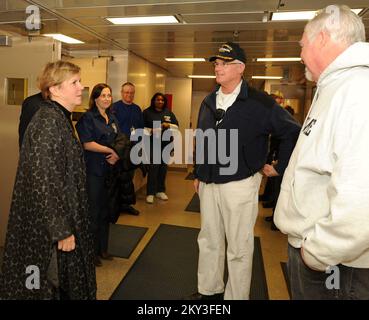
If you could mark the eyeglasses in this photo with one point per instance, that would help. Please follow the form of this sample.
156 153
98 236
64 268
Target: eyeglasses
224 64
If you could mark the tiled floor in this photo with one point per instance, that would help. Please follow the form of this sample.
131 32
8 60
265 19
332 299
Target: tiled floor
180 191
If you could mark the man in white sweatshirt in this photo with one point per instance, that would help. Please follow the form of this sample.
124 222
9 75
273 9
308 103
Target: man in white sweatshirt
324 200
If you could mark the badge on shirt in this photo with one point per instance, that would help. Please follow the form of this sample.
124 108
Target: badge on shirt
114 127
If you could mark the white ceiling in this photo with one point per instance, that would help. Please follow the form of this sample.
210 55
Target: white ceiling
205 25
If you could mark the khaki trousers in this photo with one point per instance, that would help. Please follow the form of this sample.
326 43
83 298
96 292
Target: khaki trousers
228 212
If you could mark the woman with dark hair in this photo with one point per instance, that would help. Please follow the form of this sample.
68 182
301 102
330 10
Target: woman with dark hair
166 120
49 247
97 130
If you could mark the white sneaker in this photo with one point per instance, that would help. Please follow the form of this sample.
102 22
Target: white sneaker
150 199
162 196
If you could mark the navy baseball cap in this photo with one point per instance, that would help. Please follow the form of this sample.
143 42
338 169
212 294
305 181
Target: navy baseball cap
230 51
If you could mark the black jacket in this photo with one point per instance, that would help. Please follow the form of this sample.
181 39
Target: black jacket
255 115
29 107
121 190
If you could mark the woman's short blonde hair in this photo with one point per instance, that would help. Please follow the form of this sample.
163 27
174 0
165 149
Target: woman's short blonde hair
54 74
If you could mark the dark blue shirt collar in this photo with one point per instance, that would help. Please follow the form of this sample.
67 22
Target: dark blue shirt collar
96 113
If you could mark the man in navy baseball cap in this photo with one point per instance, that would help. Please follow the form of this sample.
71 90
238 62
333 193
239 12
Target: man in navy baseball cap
230 51
229 192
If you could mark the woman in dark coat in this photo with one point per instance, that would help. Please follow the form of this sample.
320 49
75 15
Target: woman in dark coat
97 130
49 248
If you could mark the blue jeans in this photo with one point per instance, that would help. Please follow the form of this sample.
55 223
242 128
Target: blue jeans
307 284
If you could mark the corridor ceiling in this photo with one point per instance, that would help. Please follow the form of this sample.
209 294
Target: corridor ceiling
204 26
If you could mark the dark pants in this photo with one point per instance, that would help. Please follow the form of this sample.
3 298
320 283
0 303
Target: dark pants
307 284
97 196
277 181
129 195
272 189
156 178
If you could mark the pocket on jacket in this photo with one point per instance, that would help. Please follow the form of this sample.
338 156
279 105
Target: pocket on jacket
293 201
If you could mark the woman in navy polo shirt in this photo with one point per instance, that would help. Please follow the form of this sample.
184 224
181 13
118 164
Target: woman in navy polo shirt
97 129
158 112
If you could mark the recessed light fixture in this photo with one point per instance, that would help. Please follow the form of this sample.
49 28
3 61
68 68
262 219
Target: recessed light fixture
144 20
63 38
185 59
278 59
133 74
293 15
201 76
357 11
267 77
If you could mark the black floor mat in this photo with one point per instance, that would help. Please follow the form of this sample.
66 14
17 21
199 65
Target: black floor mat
167 268
123 239
194 204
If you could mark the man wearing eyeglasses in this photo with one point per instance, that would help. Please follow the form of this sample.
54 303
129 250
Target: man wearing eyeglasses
229 202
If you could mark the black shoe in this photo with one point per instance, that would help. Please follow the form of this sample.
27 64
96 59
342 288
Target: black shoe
106 256
274 227
132 211
269 218
97 261
199 296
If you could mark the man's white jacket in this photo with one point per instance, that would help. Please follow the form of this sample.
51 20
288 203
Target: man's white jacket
324 200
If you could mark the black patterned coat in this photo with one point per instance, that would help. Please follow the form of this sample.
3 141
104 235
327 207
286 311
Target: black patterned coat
49 204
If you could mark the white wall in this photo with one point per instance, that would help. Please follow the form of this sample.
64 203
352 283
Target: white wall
23 60
114 72
181 89
117 73
147 78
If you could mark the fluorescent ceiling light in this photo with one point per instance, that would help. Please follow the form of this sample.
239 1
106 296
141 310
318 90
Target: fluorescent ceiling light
299 15
296 15
278 59
357 11
267 77
200 76
63 38
144 20
137 74
185 59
